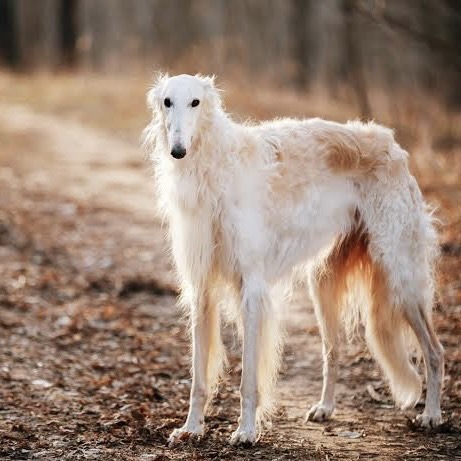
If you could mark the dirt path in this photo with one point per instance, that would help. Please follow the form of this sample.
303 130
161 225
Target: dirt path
93 353
78 162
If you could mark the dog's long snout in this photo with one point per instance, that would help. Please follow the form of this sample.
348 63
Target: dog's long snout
178 152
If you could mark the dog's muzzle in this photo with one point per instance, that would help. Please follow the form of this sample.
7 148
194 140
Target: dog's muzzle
178 152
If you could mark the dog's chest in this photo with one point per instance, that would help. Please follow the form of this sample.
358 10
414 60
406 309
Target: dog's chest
186 190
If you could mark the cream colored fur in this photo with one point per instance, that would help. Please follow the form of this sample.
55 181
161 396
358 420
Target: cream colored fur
249 204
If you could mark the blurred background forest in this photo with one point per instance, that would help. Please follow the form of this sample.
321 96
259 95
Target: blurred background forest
93 354
388 44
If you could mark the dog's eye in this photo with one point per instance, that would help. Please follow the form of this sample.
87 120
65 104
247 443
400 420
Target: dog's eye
195 103
167 102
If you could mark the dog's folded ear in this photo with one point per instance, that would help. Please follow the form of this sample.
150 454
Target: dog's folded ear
207 80
154 93
212 93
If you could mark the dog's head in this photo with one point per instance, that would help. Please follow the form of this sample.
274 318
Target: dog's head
180 106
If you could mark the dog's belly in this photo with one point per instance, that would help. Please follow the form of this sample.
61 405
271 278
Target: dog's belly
301 229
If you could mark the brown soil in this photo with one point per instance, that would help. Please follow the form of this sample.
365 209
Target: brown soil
94 355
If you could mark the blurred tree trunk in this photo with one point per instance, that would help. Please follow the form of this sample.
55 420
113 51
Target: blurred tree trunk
68 28
454 37
37 33
9 53
353 58
301 51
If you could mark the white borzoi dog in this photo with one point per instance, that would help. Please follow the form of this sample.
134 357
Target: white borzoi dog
248 204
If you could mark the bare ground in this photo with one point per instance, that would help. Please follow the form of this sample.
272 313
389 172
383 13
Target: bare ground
94 355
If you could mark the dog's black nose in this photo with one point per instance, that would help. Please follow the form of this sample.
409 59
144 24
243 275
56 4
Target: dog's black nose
178 152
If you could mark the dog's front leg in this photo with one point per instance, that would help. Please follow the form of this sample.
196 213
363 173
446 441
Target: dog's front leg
252 305
201 327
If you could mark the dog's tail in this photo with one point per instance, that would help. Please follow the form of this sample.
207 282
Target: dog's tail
356 148
387 335
387 332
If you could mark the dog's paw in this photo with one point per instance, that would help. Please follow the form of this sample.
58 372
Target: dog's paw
428 421
319 412
243 437
185 433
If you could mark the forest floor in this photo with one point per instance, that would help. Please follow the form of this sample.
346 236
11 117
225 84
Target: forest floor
94 355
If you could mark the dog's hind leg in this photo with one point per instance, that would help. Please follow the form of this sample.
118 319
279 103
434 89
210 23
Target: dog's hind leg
433 358
328 287
324 297
207 359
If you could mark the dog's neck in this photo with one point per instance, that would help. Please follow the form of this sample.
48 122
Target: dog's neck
215 137
192 182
